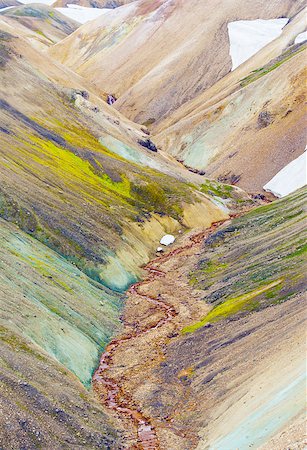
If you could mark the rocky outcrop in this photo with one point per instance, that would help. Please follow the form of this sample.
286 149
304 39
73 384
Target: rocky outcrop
148 144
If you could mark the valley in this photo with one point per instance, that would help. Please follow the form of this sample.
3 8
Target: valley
152 225
162 355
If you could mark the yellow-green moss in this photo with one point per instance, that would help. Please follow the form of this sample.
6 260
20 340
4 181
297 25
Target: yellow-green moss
230 307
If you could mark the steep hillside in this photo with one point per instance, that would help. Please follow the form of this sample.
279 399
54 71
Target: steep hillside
49 25
54 322
100 211
250 124
45 406
59 308
212 352
111 4
7 3
155 56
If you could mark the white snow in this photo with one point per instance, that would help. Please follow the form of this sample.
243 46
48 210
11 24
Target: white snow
167 239
247 37
81 14
45 2
300 38
290 178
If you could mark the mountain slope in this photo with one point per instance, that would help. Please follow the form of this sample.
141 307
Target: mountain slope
227 368
45 406
264 98
52 144
44 23
92 3
155 56
64 312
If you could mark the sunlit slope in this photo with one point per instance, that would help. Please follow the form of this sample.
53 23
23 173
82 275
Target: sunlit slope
250 124
100 211
92 3
47 25
157 55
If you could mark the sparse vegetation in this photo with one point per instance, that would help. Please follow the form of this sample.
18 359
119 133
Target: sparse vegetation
272 65
254 262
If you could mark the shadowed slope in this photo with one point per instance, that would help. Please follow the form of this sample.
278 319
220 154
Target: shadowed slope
45 406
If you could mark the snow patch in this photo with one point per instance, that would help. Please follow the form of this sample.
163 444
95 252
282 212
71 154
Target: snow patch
81 14
247 37
168 239
300 38
44 2
292 177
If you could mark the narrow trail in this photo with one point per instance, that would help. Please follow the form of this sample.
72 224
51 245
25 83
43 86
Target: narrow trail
108 389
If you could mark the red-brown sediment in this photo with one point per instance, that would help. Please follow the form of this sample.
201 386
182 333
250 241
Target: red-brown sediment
108 389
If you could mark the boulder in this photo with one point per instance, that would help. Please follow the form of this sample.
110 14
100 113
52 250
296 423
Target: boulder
148 144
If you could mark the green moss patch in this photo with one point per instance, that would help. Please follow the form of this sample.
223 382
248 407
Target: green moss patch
231 307
274 64
240 263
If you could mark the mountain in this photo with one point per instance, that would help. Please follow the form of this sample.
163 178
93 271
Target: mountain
44 23
7 3
77 222
198 110
254 114
111 4
152 287
228 368
156 56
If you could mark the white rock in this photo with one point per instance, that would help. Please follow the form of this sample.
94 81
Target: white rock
292 177
300 38
167 239
247 37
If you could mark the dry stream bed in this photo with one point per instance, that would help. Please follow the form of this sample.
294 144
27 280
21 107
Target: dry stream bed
156 310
